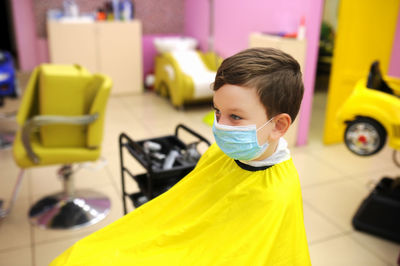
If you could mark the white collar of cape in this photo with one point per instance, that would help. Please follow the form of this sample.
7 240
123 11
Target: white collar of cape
281 154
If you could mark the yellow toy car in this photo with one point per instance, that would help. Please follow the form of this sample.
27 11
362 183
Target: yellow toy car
372 114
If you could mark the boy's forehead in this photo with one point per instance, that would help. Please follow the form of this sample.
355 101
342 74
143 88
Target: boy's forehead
237 98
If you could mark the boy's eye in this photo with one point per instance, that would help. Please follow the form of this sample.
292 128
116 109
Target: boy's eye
235 117
217 113
216 110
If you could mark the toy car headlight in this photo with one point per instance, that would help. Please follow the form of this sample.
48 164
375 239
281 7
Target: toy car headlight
4 76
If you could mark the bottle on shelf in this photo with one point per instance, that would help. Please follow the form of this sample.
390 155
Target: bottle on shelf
126 10
301 33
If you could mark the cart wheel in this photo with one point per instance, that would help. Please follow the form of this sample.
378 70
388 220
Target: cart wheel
364 136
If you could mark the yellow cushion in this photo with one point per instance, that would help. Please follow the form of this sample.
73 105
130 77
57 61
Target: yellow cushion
63 91
50 156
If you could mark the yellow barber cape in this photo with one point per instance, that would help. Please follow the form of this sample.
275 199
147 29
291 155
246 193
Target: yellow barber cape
222 213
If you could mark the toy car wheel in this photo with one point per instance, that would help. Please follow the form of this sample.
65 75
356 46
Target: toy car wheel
364 136
164 90
17 90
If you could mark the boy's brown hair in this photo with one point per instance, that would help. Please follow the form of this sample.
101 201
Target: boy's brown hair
275 75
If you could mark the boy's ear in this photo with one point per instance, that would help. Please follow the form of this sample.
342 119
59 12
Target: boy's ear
281 125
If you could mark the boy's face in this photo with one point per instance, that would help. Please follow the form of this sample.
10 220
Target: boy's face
240 106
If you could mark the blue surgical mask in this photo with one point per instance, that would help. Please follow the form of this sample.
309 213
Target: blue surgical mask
239 142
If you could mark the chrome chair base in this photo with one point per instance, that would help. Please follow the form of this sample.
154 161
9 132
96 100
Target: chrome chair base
59 211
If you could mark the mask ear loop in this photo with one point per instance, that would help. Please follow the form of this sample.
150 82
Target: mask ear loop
265 124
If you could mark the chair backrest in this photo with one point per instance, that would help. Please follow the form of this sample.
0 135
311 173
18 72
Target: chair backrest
95 129
66 90
191 63
29 103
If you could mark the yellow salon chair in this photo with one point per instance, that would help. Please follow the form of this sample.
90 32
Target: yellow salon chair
186 75
61 120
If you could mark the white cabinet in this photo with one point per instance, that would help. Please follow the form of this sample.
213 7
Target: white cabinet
113 48
294 47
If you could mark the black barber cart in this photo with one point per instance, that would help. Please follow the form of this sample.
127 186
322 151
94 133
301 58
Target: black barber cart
166 159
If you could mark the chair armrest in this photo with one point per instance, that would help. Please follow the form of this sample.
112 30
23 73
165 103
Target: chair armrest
41 120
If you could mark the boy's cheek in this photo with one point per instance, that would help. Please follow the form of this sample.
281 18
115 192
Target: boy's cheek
263 138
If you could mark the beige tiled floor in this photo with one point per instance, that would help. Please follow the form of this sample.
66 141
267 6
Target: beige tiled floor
333 181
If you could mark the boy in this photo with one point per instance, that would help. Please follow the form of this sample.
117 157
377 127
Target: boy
242 203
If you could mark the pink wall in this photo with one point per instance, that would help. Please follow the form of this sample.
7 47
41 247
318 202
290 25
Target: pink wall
25 34
394 67
236 19
233 25
313 15
196 21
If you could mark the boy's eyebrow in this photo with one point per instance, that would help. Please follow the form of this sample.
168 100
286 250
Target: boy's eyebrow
233 110
236 110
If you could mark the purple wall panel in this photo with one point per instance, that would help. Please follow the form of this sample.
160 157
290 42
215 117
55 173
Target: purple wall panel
394 67
196 19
